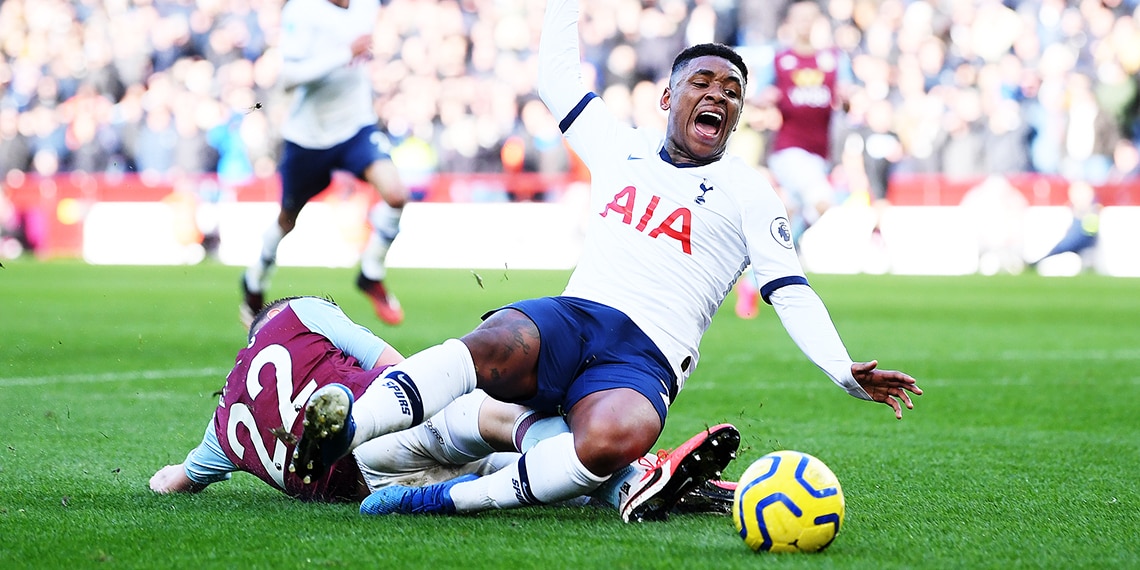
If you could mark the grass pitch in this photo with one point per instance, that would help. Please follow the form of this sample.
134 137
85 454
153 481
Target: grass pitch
1022 454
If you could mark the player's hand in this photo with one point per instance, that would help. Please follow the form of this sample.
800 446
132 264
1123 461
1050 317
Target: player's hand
887 386
362 47
173 479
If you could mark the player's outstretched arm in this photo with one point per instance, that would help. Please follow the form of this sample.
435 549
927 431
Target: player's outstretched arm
173 479
886 386
559 59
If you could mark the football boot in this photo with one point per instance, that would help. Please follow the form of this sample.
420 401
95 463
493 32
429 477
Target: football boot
327 434
677 473
398 499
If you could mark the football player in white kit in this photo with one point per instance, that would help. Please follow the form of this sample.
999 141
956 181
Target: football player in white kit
675 221
326 47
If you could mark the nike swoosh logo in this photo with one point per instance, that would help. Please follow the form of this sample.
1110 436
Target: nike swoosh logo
627 508
631 157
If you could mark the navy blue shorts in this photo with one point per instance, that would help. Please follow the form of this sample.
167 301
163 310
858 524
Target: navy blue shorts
588 347
305 172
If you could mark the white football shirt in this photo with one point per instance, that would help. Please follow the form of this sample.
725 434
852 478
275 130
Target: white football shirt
665 244
332 97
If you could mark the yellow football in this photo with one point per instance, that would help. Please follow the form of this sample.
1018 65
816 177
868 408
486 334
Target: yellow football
788 501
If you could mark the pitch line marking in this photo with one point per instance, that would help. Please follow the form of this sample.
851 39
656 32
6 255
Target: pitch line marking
115 376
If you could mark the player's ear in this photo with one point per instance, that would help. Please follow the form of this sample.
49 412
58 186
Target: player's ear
665 99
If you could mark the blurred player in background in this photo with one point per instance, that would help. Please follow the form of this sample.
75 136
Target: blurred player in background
1081 237
332 125
299 344
676 222
806 85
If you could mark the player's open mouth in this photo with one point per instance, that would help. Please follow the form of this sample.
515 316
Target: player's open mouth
708 123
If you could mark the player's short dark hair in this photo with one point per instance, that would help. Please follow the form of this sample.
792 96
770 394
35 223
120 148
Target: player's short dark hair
714 49
263 314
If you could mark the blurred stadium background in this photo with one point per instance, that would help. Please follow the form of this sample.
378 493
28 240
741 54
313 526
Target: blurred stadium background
140 134
143 131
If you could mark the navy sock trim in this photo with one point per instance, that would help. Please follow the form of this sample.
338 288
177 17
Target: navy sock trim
523 492
415 401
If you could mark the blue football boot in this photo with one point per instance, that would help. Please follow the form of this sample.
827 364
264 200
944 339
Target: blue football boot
398 499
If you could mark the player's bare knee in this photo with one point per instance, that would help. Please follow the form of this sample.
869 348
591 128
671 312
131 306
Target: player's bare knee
396 199
612 429
287 221
603 452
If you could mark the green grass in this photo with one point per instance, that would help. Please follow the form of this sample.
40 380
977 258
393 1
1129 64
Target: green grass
1022 454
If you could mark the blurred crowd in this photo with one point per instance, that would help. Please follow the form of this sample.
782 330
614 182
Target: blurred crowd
174 87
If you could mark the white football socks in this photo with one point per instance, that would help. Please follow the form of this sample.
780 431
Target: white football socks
550 472
385 222
455 430
528 431
531 428
444 439
385 219
373 257
615 491
430 452
258 274
415 389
